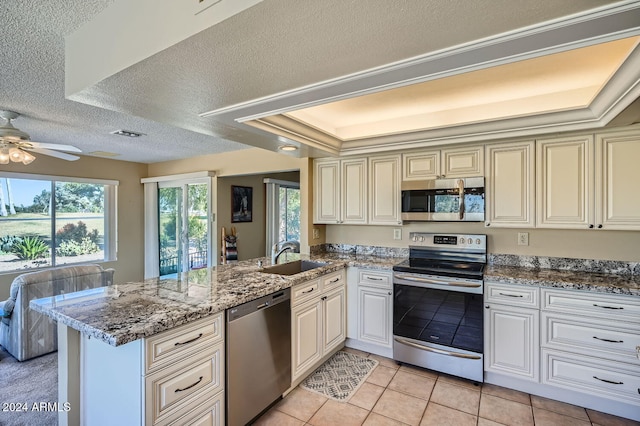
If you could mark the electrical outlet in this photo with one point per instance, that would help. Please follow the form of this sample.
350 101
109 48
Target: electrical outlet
316 233
397 234
523 238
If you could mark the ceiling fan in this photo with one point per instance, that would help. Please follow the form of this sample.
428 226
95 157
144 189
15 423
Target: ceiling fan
15 144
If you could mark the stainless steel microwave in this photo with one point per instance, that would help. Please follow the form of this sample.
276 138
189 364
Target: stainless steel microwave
447 200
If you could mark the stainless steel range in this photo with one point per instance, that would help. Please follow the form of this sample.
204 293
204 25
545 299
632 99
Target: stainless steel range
437 304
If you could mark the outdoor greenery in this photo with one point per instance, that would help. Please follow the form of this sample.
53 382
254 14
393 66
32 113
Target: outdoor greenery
30 248
75 248
289 214
76 233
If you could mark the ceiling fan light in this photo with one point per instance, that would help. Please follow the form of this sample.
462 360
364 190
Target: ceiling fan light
4 155
28 158
16 155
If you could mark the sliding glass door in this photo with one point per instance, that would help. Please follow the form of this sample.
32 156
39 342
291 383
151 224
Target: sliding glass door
183 211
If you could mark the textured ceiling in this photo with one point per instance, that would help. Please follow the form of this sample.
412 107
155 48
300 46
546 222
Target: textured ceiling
275 46
32 83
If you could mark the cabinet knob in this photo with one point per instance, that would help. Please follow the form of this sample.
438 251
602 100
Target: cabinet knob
600 226
486 306
591 226
389 293
487 224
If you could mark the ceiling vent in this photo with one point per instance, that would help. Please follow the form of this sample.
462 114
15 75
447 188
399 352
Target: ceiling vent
128 133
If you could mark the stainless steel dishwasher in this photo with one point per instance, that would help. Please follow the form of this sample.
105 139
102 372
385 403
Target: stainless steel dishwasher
258 355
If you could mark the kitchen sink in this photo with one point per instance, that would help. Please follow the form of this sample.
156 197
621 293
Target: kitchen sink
292 268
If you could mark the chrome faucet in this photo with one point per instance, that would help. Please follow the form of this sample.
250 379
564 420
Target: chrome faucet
286 245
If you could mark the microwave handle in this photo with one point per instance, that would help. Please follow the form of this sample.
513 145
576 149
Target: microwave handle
461 195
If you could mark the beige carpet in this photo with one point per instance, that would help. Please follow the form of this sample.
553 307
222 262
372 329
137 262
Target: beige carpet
28 390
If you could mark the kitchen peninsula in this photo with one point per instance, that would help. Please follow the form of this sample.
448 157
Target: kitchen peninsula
117 340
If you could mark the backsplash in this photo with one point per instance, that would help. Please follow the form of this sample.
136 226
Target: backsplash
566 264
358 250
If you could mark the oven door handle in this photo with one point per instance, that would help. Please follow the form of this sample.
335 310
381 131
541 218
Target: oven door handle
430 281
438 351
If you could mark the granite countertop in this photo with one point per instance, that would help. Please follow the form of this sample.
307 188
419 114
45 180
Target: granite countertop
122 313
596 282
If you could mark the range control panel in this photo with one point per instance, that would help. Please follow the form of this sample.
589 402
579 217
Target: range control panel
457 241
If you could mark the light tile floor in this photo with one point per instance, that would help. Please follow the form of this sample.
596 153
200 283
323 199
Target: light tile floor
404 395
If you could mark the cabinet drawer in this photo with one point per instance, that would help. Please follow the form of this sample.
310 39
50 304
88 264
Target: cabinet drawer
513 295
333 280
601 378
171 388
619 307
304 291
374 278
208 412
177 343
612 340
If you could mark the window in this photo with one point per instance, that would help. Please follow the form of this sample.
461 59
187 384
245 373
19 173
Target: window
50 221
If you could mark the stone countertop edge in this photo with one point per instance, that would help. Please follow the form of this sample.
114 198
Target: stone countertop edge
564 279
123 313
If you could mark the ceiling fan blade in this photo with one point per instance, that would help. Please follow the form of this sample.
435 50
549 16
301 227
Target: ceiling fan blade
54 146
56 154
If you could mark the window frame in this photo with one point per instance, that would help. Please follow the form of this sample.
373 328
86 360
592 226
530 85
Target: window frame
273 210
110 214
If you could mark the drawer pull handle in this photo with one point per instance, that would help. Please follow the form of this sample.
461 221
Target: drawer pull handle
189 341
374 278
335 280
308 291
608 381
608 307
608 340
190 386
510 295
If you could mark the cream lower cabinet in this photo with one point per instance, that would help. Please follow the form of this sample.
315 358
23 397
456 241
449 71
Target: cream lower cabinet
318 322
370 322
173 378
512 334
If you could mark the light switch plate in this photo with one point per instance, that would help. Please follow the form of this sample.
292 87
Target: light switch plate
397 234
316 233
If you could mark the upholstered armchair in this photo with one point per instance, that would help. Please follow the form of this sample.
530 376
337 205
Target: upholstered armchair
26 334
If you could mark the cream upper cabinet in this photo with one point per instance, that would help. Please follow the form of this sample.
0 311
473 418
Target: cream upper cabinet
565 173
384 190
448 162
421 165
354 191
510 185
340 191
326 191
617 177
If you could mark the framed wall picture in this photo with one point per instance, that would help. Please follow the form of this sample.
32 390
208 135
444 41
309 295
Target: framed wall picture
241 203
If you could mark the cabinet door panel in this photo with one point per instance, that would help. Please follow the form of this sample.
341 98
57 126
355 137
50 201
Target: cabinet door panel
617 201
463 162
354 191
306 342
421 165
374 323
565 172
334 320
326 198
384 190
512 341
510 185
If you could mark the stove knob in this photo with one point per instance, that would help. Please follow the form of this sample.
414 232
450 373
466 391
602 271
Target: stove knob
461 240
478 241
470 241
421 239
415 238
